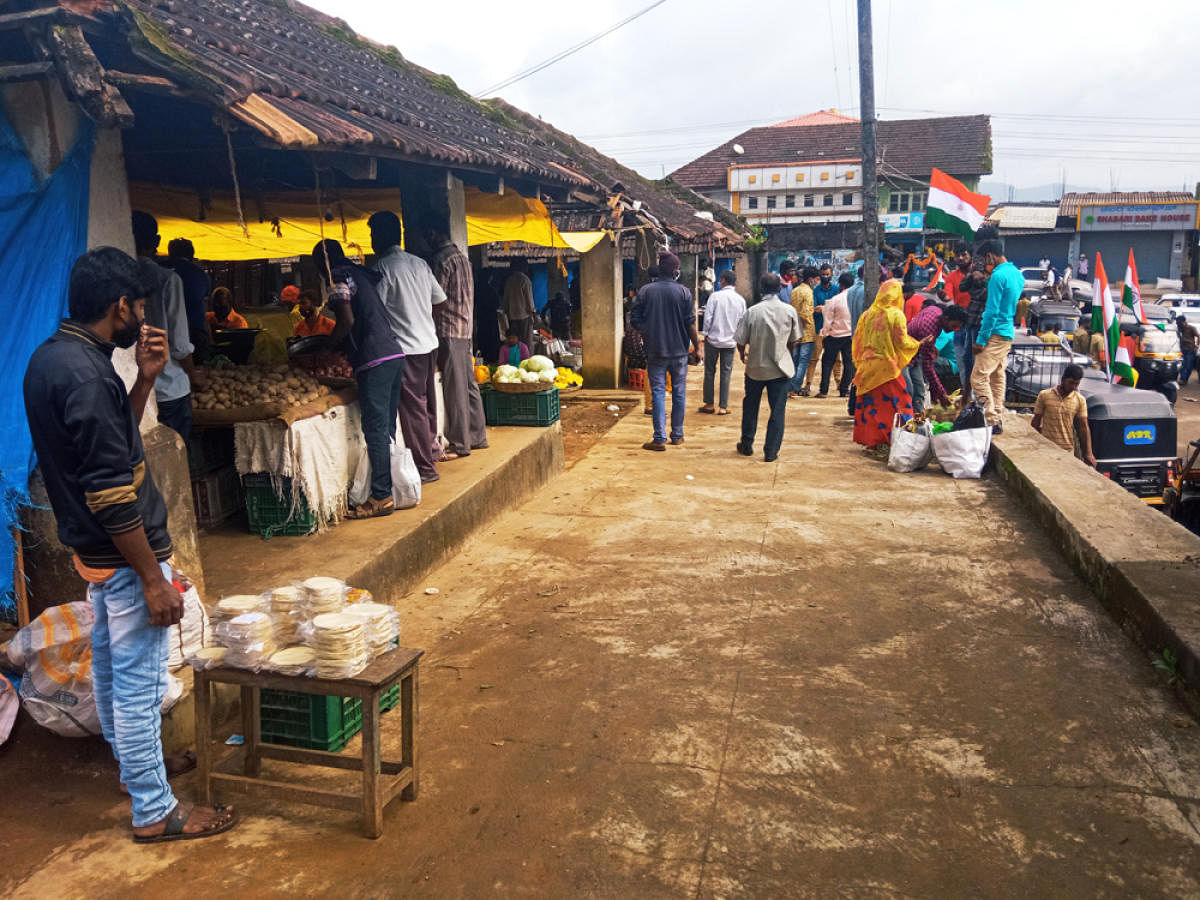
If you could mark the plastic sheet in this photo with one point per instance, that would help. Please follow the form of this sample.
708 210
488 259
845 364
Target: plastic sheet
43 228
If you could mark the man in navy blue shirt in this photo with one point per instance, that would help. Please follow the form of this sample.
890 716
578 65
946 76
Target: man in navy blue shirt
666 316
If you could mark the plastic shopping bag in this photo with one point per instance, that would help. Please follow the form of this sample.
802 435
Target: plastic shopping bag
360 479
406 480
971 416
963 454
192 632
910 451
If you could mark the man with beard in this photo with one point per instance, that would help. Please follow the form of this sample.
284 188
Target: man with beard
110 513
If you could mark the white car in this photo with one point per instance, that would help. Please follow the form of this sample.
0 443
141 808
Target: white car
1177 300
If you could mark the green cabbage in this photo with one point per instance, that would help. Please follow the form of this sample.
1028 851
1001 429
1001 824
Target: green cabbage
537 364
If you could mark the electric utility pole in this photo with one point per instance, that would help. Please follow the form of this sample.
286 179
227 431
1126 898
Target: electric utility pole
866 90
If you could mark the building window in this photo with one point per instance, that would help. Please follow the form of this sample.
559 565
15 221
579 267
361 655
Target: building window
752 203
753 179
799 177
775 179
893 202
847 199
902 202
790 201
849 176
918 201
770 203
808 199
827 200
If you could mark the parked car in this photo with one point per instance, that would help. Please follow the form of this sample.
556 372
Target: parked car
1033 276
1178 301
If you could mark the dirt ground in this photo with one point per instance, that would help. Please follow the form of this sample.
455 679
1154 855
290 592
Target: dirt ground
585 421
696 674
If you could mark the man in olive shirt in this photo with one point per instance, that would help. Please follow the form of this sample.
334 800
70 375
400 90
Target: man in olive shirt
766 334
1061 412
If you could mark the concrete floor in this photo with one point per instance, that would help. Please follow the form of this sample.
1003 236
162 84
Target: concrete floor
807 678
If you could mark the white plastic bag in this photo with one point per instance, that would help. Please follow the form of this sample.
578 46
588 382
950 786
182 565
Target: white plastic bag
963 454
360 480
8 708
910 451
406 480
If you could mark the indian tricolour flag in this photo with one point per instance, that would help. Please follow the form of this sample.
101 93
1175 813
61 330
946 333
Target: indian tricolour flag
1120 365
952 207
1131 296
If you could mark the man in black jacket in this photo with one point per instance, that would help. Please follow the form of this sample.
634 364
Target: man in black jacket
85 432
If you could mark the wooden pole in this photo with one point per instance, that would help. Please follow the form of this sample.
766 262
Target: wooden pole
866 90
19 580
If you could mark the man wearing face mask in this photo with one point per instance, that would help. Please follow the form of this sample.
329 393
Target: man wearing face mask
109 511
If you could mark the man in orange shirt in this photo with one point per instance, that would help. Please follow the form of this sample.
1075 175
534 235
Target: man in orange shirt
311 321
954 292
223 314
913 301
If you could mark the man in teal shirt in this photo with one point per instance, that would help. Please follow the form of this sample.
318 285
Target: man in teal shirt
995 337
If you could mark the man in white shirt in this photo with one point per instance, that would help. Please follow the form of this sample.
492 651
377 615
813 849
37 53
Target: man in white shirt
764 340
722 315
409 293
837 337
518 301
1044 262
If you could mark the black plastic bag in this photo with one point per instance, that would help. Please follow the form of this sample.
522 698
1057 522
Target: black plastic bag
971 416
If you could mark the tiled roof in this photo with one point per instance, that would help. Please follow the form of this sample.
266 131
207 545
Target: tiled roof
959 145
821 117
305 79
1070 203
671 204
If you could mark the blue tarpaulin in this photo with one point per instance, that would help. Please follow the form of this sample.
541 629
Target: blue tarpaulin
43 228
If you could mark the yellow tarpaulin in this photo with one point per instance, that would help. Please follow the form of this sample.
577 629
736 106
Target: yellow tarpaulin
287 224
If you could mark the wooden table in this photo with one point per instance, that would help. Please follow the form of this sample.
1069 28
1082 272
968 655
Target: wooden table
381 780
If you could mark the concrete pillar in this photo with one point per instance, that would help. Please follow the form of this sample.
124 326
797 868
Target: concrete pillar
603 323
745 278
432 198
1177 247
1073 253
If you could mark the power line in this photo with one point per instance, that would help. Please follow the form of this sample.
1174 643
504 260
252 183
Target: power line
837 79
533 70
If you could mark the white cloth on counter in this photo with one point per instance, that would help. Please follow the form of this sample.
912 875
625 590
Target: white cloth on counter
317 453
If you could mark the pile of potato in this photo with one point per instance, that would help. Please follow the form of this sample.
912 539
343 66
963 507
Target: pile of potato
247 385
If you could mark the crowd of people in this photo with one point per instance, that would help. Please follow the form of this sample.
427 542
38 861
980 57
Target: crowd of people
808 326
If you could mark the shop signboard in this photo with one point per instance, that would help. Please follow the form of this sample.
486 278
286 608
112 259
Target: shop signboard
1139 217
893 222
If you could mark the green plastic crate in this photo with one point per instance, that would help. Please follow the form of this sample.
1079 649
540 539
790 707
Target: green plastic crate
540 409
270 514
391 699
312 721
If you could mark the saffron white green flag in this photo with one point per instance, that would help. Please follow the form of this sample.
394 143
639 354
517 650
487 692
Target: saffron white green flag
1119 363
1131 296
952 207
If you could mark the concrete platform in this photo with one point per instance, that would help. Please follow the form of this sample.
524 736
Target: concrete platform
1143 567
387 556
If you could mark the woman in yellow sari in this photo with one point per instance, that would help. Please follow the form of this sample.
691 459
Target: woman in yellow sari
881 349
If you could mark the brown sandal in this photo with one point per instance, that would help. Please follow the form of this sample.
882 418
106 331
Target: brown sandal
373 509
174 824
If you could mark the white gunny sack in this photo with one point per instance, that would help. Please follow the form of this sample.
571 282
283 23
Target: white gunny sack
963 454
910 451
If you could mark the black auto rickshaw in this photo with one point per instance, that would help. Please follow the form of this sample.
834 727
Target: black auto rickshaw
1045 315
1133 437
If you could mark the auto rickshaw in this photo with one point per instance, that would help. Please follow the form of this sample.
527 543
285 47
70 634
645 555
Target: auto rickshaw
1181 499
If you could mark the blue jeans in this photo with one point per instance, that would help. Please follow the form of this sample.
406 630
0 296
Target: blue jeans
177 414
129 679
378 400
656 371
801 355
776 389
964 354
1189 363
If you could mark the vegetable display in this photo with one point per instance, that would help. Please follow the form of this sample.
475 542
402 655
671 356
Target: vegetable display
325 365
247 385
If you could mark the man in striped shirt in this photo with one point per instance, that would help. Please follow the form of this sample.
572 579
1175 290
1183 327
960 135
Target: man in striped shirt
464 427
927 326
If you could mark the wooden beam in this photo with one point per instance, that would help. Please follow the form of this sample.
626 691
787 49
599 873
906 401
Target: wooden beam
25 71
112 76
19 579
43 16
84 76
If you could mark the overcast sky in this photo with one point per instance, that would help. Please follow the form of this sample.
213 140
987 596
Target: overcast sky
1098 92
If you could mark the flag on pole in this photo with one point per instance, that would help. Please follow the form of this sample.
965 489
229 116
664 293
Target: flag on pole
952 207
1119 363
1131 296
